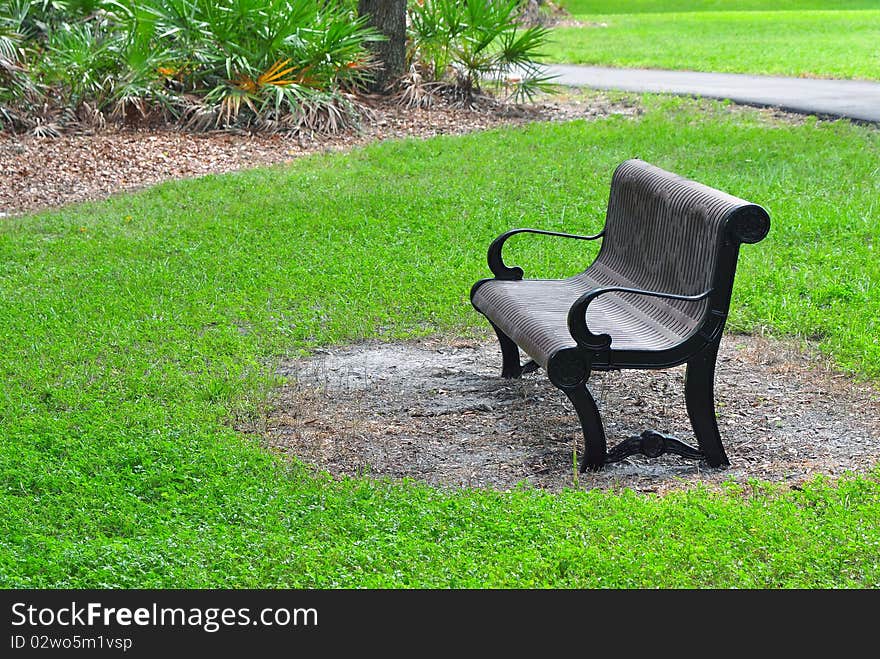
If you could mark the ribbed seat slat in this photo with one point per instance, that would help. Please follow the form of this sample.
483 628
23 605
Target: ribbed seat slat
534 313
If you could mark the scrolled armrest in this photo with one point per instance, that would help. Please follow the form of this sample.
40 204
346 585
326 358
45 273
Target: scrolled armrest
496 262
577 314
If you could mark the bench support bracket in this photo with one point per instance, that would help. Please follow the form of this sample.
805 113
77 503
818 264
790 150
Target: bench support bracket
652 444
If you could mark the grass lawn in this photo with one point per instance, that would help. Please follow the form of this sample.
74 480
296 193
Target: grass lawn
137 329
676 6
806 43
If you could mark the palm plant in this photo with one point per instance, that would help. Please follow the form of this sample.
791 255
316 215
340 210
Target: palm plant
16 85
464 45
265 61
281 64
82 59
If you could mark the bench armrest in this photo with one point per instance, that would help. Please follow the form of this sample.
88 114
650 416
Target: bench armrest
577 315
496 262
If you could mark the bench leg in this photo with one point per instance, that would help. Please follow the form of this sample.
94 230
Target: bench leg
511 367
595 447
699 391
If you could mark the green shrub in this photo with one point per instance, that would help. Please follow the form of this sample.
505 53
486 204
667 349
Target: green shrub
16 84
464 45
278 64
282 61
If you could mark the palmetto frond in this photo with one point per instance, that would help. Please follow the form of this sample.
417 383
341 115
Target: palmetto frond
206 62
274 75
468 44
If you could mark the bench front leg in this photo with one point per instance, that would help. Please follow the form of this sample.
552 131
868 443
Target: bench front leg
595 445
569 370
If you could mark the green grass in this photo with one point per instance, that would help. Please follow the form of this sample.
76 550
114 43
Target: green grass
137 330
677 6
825 44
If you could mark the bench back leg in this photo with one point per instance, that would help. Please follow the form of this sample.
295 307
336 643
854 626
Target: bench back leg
595 447
699 391
511 366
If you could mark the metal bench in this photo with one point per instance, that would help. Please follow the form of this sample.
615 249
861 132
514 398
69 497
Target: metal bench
656 296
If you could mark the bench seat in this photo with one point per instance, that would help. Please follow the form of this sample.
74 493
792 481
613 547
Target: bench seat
534 313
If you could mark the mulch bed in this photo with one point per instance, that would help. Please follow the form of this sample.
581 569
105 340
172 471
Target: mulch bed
437 411
41 173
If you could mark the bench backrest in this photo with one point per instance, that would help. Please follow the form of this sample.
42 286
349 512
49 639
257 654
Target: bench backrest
667 233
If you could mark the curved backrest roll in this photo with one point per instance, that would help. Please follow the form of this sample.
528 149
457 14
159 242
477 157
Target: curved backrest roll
662 231
666 233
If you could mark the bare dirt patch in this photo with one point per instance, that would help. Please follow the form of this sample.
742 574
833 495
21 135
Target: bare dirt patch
437 411
572 22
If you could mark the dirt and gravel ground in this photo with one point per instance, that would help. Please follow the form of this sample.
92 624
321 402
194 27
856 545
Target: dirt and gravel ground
437 410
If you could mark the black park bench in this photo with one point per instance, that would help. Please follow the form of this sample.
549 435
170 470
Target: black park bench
656 296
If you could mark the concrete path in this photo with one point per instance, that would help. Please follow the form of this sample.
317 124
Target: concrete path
855 99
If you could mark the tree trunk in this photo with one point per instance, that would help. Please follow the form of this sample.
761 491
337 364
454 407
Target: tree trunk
389 18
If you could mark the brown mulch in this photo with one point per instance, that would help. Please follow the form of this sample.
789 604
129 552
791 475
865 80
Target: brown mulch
436 410
40 173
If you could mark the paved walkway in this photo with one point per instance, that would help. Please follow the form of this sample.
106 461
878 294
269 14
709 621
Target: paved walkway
855 99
